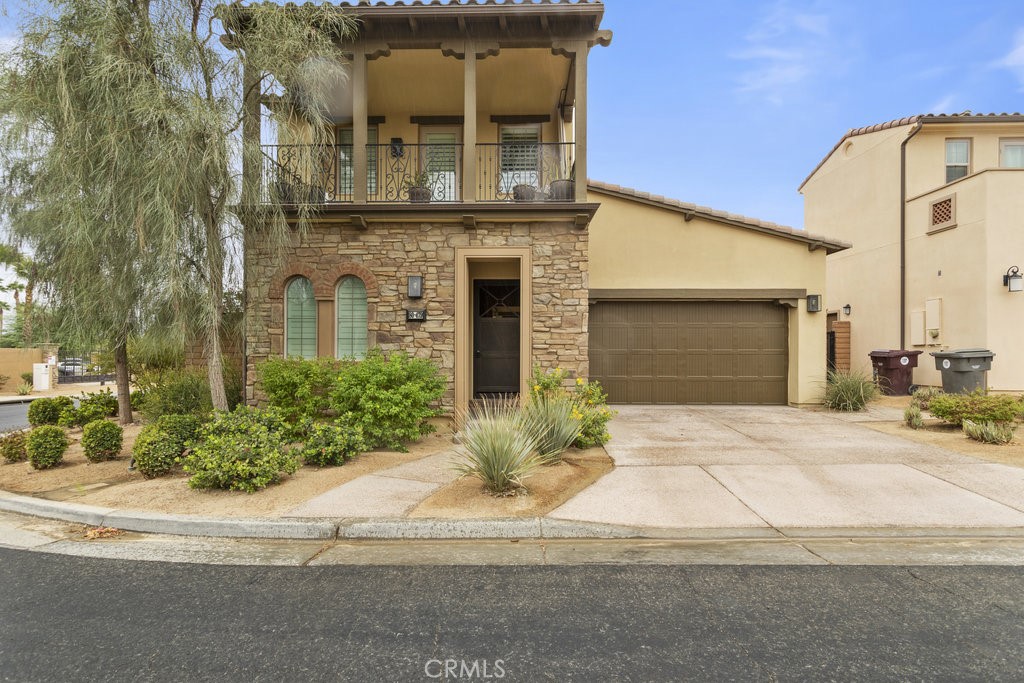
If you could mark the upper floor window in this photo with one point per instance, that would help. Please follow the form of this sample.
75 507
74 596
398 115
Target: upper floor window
520 163
1011 153
958 159
300 319
350 312
345 172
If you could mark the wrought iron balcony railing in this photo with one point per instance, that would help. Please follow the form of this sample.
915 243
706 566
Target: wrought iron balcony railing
400 172
525 171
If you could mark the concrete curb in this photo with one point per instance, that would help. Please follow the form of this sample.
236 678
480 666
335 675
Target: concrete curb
447 529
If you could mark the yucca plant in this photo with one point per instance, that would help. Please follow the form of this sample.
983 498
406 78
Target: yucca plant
499 447
849 390
988 432
912 416
556 422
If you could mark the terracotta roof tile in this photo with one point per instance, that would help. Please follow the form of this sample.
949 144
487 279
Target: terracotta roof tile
828 243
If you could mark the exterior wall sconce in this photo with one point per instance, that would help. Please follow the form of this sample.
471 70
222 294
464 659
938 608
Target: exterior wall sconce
814 303
415 287
847 309
397 148
1013 280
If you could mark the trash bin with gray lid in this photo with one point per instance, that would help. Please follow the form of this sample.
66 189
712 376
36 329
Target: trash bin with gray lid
895 370
963 370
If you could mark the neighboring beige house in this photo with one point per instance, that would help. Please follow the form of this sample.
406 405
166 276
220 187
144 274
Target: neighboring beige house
502 264
933 205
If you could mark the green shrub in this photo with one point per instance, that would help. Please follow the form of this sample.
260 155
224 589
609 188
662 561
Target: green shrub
300 389
333 444
180 429
27 377
912 416
12 446
590 400
390 397
183 393
45 446
498 447
100 403
136 398
849 391
83 415
556 423
155 452
237 451
988 432
46 411
102 440
24 389
923 396
976 407
3 380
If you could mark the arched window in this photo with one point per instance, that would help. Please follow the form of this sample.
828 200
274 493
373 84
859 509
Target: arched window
300 319
350 312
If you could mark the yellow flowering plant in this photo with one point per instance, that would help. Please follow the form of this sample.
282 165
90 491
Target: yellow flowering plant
589 401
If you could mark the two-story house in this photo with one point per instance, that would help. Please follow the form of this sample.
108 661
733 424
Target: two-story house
456 223
933 206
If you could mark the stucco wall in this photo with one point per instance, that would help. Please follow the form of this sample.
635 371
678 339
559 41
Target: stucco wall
13 362
637 246
384 256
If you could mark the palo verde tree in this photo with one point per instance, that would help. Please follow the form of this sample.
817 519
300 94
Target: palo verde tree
121 131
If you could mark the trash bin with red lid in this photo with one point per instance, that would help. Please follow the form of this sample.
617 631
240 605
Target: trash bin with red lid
895 369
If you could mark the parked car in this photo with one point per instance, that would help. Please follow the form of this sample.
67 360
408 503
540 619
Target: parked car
71 366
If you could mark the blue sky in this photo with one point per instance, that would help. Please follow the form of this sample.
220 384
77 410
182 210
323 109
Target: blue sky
731 104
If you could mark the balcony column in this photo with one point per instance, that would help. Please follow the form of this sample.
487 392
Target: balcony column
469 180
579 120
359 126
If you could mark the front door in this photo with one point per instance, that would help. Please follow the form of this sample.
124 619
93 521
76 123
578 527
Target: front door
496 310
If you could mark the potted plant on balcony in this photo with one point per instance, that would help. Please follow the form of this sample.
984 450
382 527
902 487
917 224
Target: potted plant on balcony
563 189
417 186
524 193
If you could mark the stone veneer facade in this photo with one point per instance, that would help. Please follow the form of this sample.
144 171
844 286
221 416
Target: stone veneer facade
386 253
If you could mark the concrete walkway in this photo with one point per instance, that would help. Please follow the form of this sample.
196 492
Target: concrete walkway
712 467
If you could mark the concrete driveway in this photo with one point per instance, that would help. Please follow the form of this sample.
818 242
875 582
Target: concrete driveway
750 468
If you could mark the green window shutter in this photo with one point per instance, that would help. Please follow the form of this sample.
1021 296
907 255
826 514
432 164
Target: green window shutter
300 319
350 307
345 173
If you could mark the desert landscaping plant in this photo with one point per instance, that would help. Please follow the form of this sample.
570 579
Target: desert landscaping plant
497 447
333 444
45 446
299 388
24 389
912 416
849 391
237 451
184 393
976 407
12 445
3 380
589 398
102 440
922 396
390 397
46 411
27 377
988 432
160 445
555 422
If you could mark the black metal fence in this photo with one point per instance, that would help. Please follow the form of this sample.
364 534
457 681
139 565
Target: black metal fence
80 367
525 171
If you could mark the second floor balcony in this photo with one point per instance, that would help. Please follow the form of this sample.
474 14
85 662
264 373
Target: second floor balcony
435 172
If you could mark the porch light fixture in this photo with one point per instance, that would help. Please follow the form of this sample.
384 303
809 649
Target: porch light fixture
847 309
415 287
397 148
1013 280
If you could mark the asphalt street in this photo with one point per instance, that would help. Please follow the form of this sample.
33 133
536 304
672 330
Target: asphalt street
13 415
70 618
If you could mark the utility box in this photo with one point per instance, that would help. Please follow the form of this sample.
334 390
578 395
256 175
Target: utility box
963 370
41 376
895 370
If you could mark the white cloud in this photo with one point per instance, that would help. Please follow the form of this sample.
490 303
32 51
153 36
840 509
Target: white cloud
943 106
1014 59
783 51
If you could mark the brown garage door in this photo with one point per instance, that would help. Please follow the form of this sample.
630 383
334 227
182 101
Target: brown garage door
690 352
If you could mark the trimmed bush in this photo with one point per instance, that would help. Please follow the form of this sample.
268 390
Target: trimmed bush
102 440
27 378
498 448
556 423
976 407
45 446
46 411
849 391
923 396
333 444
237 451
988 432
184 393
12 446
136 398
83 415
100 403
300 389
390 397
912 416
155 452
180 429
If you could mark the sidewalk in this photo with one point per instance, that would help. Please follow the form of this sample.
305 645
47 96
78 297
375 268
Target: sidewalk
71 389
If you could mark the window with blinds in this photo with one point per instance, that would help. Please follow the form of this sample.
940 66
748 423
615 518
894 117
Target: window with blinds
520 156
350 311
300 319
345 172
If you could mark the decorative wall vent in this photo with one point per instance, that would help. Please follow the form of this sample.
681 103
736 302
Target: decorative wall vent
943 213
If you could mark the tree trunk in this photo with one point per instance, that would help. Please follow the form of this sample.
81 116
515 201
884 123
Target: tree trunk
124 389
215 290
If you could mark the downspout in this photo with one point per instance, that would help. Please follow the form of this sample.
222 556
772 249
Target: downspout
903 234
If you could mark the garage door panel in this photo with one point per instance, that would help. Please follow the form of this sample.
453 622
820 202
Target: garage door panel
690 352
